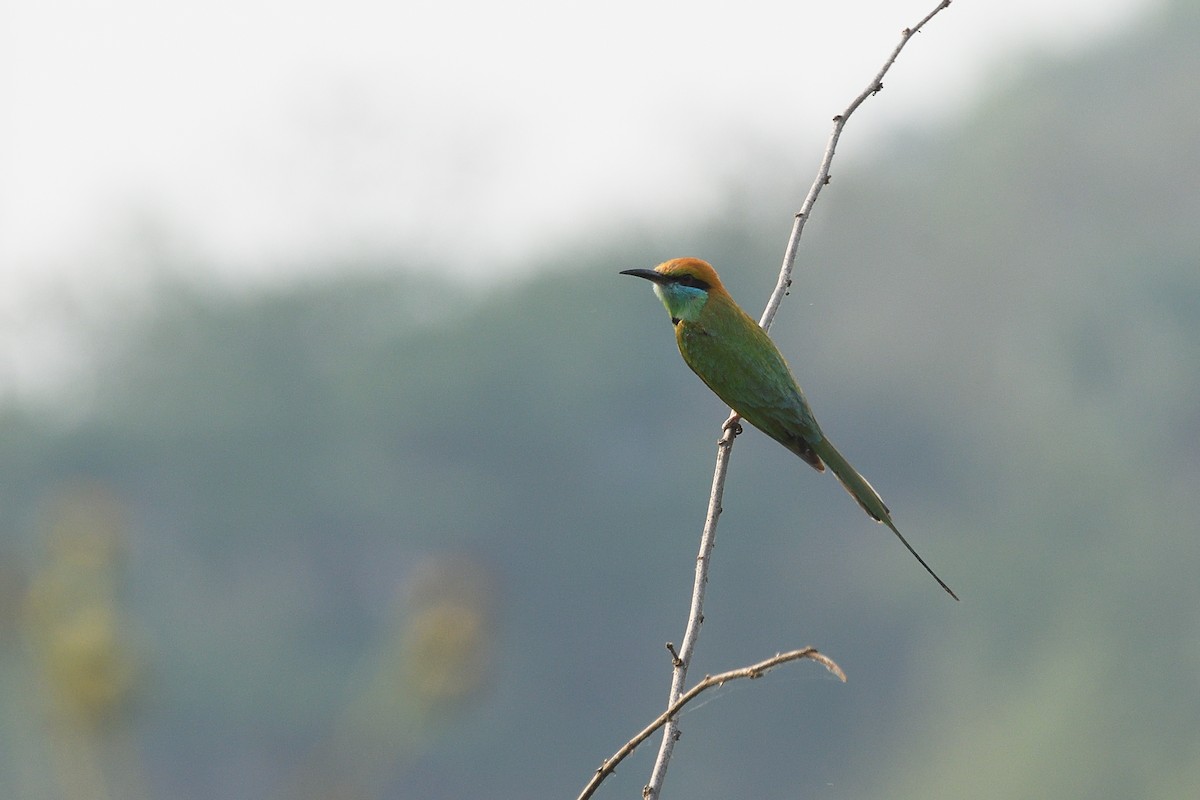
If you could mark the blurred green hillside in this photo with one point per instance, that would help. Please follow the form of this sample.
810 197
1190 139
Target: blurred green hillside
399 537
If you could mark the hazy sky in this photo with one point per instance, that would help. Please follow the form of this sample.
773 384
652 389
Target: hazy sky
260 134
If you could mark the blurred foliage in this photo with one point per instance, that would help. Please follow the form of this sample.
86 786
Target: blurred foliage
81 659
72 611
398 537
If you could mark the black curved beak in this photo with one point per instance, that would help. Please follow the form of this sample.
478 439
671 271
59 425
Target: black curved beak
648 274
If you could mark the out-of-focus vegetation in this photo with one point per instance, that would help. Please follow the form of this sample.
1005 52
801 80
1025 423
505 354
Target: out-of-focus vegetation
394 537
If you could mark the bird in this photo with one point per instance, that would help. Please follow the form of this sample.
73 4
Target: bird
740 363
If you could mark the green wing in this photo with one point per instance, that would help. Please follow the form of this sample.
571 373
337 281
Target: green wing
740 363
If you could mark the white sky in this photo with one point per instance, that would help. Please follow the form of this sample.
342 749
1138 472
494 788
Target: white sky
258 135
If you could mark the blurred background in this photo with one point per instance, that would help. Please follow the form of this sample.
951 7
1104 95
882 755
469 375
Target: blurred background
338 462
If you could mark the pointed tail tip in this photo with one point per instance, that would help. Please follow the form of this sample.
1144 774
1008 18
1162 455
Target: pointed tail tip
941 582
928 569
888 522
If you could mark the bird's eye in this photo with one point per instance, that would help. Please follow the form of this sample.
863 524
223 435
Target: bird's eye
692 281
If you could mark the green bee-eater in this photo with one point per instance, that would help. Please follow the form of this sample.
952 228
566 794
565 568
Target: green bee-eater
740 363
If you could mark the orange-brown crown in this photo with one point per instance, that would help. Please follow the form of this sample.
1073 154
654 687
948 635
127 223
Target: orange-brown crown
693 268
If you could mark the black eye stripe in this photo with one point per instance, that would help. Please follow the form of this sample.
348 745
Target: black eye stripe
693 282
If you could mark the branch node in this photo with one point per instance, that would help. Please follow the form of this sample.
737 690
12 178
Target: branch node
676 661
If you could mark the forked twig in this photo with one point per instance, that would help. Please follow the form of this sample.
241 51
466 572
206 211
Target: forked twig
753 671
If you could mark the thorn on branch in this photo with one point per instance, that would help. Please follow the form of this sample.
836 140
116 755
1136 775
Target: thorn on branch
676 661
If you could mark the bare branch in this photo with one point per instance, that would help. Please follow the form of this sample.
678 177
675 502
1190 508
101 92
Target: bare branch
753 671
823 178
731 427
708 539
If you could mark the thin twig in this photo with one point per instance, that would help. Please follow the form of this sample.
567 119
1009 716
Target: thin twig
753 671
683 658
822 179
731 428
